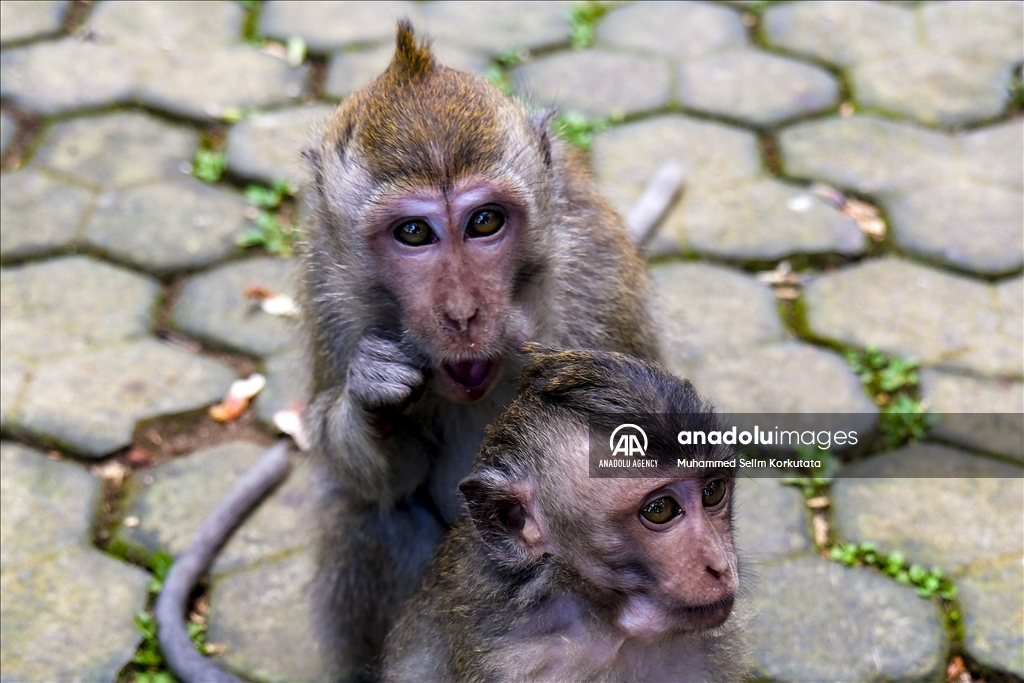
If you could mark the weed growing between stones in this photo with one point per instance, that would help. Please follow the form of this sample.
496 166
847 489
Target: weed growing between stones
273 229
578 129
497 73
209 165
892 383
583 18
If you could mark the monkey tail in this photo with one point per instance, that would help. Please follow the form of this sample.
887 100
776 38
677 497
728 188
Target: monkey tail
183 659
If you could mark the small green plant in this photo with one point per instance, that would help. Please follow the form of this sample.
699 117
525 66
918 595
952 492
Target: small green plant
578 129
1016 89
817 482
497 73
883 374
904 420
758 6
208 165
928 582
583 18
269 230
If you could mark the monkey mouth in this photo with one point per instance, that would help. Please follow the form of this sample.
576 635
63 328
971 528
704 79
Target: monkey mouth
700 617
469 374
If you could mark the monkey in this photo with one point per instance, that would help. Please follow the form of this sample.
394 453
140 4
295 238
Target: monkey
449 227
555 575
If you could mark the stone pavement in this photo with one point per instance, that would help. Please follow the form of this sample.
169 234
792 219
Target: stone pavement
805 127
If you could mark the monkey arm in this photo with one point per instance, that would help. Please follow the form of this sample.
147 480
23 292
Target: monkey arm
186 663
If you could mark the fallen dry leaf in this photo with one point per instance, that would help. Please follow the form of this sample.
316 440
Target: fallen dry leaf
820 530
111 471
237 400
782 274
290 422
866 217
139 457
818 503
131 522
271 302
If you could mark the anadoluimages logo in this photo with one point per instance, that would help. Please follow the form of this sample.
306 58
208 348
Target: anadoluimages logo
626 441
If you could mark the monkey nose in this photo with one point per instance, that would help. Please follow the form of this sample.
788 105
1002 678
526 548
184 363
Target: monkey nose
459 322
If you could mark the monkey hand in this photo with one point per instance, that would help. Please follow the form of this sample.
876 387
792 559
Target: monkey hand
382 373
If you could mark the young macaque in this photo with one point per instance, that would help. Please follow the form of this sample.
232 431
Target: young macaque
558 576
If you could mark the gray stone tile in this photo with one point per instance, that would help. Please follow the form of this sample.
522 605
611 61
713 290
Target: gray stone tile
39 214
160 27
598 83
707 311
865 153
210 85
8 127
626 157
25 19
682 30
263 616
772 522
287 378
497 27
66 75
821 621
70 618
962 224
930 525
993 608
71 304
91 402
973 411
755 87
268 147
790 377
933 88
995 154
47 505
842 33
916 312
329 26
763 220
213 307
172 500
979 28
117 150
168 226
12 380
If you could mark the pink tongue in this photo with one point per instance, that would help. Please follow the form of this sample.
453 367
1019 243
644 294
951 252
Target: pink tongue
469 373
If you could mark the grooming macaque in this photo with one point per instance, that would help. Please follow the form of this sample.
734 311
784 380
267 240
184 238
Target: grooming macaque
558 576
449 227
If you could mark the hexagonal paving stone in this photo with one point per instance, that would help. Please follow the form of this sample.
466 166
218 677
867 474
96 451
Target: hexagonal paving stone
707 311
930 525
39 214
204 85
821 621
349 71
771 522
8 127
978 28
976 413
681 30
932 88
287 379
263 616
626 157
70 304
764 220
169 226
269 146
172 500
198 27
47 505
993 154
865 153
23 20
755 87
214 308
12 380
841 32
117 150
993 608
329 26
596 83
790 377
70 618
67 74
90 403
497 27
963 224
916 312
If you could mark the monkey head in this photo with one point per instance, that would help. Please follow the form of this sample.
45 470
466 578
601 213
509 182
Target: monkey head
657 553
433 187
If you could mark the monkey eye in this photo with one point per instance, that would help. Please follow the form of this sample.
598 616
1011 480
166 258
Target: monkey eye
659 512
484 223
713 493
415 233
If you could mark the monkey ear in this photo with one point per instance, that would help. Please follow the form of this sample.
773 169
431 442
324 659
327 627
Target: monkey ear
541 124
507 516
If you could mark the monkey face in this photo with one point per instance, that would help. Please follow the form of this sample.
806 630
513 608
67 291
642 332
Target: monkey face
449 259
